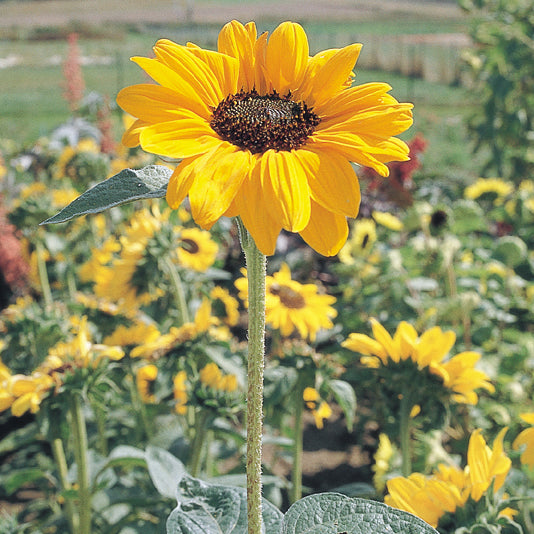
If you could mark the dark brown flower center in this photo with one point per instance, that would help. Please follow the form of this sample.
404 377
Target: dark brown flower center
190 246
261 122
288 297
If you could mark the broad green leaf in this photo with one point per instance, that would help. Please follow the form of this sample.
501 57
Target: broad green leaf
14 481
212 509
346 398
127 186
165 470
333 513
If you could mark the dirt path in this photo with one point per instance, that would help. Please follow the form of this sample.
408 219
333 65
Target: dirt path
60 12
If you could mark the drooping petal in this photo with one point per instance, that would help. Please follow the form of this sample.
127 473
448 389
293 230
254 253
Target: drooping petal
130 137
181 181
217 183
326 232
287 57
332 181
256 215
287 178
383 337
179 139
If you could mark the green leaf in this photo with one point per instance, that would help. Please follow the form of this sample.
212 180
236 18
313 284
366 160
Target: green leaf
212 509
346 398
511 250
127 186
165 470
16 480
468 217
333 513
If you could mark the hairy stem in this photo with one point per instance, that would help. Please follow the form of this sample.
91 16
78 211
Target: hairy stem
256 271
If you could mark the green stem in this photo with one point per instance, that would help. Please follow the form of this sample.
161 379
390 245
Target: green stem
256 271
298 431
405 431
179 292
102 442
195 463
43 275
61 463
80 455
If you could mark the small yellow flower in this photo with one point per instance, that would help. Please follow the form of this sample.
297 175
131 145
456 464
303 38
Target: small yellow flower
196 250
383 456
526 437
265 131
499 188
311 396
140 332
231 305
321 413
180 393
291 306
145 377
361 241
210 375
388 220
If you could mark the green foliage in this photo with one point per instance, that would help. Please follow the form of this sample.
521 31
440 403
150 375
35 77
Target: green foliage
503 72
127 186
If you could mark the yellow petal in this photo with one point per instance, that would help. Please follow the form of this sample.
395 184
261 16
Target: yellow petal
326 232
167 77
383 337
332 181
365 345
289 186
130 138
256 214
332 76
181 181
219 176
179 139
153 103
287 57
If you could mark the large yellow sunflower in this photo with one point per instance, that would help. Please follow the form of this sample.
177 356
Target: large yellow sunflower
265 131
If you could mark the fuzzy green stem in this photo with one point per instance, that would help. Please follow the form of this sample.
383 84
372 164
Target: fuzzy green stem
405 431
178 290
80 455
201 419
256 272
61 463
43 275
298 431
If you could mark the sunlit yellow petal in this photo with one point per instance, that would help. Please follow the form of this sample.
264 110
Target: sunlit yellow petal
287 57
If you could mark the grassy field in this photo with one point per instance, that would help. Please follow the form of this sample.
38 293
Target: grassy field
31 94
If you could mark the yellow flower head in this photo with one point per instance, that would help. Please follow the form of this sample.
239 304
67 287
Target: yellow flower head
361 241
266 131
495 186
180 392
426 351
291 306
212 377
230 304
388 220
383 456
449 487
526 437
145 377
197 250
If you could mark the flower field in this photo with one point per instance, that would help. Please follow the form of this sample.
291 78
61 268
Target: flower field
287 260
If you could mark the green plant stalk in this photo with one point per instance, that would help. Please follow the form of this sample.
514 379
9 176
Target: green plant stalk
100 419
256 272
201 419
80 455
179 292
405 432
298 431
61 463
43 275
144 429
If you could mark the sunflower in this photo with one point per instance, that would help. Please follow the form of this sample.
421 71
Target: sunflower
145 378
291 306
494 188
425 352
266 132
449 488
196 249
